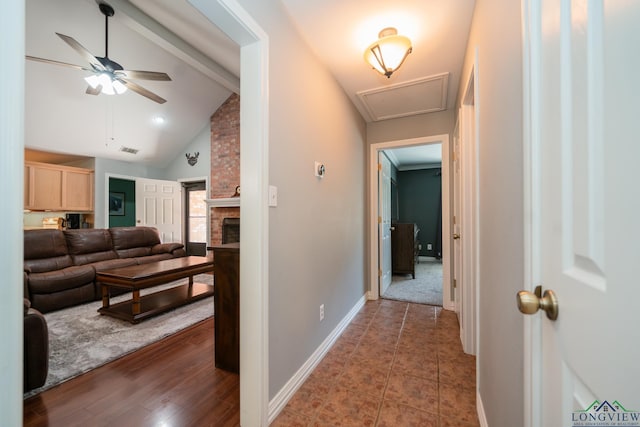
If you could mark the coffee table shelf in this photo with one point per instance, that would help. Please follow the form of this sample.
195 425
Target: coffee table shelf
159 302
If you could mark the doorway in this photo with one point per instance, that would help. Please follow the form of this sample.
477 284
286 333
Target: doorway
195 218
444 224
415 225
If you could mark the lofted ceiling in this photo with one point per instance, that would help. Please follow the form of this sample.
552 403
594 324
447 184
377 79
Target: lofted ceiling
171 36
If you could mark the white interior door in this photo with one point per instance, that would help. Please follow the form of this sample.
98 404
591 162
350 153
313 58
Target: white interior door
158 204
457 250
581 123
384 212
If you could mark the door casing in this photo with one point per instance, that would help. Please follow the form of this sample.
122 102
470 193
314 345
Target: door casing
374 242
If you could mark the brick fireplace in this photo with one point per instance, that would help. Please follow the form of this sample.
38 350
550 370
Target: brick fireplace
225 163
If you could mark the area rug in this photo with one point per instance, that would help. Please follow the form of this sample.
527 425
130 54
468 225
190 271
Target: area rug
81 339
426 288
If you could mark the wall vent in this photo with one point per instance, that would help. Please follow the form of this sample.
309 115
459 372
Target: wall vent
128 150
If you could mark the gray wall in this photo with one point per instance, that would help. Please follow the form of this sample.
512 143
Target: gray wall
411 127
496 33
419 194
317 231
179 168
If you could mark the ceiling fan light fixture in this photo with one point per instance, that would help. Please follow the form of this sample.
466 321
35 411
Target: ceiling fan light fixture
388 53
109 85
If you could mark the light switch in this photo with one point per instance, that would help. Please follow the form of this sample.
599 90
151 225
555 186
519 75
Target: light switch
273 195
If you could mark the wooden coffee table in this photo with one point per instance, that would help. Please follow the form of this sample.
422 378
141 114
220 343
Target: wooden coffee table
137 277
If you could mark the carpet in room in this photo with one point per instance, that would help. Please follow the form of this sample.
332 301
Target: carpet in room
81 339
426 288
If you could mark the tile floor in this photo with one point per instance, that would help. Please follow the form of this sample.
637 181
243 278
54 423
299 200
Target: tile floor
397 364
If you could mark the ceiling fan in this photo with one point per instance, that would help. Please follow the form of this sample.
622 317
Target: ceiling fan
108 76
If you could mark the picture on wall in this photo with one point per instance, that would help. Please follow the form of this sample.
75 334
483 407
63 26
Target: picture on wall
116 203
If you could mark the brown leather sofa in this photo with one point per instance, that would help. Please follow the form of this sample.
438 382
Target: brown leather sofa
36 348
60 266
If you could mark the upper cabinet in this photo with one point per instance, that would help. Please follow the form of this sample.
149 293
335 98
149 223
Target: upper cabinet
56 187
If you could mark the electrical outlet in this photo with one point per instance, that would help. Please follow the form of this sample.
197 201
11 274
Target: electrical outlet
321 312
429 246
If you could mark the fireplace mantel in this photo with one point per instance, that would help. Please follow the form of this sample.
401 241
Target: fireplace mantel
226 202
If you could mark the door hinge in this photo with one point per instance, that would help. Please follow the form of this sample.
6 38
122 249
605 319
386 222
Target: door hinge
455 283
454 220
379 166
379 220
379 273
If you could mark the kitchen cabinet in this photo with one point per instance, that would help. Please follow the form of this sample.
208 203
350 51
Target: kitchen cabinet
57 187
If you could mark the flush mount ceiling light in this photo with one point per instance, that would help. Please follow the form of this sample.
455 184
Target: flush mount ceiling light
388 53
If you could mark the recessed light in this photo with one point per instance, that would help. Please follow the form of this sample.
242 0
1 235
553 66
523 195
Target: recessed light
159 120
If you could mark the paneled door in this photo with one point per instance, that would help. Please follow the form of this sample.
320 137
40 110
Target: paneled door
581 133
158 204
384 220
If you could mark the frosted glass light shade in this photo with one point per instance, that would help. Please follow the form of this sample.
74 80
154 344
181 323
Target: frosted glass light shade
388 53
108 84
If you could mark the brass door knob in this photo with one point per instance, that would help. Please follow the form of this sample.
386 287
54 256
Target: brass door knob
393 229
456 236
530 303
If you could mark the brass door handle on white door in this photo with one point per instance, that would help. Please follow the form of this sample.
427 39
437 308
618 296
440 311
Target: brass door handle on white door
456 236
530 303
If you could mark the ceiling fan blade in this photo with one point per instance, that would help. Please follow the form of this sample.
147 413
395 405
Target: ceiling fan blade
144 75
88 56
93 90
142 91
51 61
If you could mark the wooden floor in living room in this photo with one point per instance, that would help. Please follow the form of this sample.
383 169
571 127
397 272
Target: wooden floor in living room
172 382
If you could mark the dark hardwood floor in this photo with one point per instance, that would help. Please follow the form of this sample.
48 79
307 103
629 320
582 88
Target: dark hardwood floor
170 383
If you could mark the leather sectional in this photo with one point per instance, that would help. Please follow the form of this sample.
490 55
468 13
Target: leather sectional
60 266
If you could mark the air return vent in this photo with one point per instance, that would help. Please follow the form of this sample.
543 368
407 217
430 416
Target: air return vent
128 150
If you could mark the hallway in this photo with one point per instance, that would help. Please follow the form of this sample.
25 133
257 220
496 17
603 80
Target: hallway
397 364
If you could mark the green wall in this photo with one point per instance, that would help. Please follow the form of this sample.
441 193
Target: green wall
129 189
419 193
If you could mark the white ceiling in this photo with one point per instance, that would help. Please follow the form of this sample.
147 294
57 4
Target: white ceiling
416 157
340 30
204 67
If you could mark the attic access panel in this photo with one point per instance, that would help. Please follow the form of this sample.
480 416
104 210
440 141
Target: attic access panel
425 95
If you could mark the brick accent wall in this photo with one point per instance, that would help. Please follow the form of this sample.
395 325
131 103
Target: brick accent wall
225 161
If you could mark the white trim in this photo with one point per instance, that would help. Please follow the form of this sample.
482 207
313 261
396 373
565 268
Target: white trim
280 400
12 105
532 332
223 202
482 417
469 209
374 290
238 24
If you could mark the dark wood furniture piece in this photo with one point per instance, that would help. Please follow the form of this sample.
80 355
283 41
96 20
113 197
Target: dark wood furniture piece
227 306
404 248
137 277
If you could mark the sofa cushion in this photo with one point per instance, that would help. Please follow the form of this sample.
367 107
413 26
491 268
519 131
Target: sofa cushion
113 263
90 245
45 303
45 250
134 252
166 248
153 258
59 280
133 237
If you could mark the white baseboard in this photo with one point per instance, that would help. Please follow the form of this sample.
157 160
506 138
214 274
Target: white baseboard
280 400
482 418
